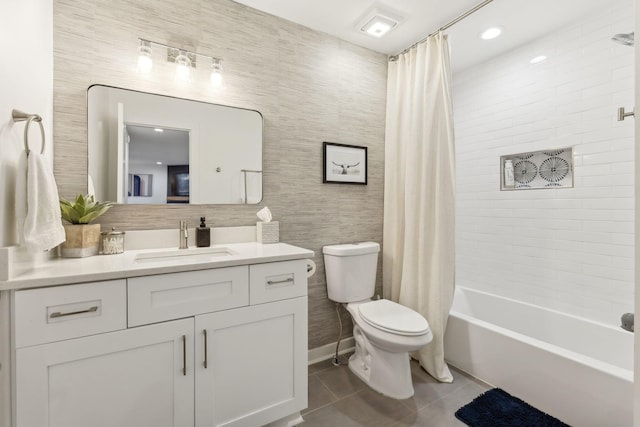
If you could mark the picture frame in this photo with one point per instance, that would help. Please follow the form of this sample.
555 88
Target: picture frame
344 164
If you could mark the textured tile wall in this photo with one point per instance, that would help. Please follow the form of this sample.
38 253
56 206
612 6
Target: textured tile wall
309 86
567 249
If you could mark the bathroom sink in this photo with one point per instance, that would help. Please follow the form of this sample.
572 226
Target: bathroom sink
184 255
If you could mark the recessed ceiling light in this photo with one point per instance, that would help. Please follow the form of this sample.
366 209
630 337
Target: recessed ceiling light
378 26
538 59
158 129
491 33
378 23
158 163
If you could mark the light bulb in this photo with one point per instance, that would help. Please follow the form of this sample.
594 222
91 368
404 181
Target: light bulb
145 64
183 67
379 29
216 73
216 79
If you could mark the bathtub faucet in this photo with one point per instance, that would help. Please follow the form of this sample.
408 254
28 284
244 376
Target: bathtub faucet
627 322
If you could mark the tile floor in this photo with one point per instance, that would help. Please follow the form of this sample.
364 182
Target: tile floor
337 398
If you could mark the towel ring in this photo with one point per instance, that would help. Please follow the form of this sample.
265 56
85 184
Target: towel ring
19 116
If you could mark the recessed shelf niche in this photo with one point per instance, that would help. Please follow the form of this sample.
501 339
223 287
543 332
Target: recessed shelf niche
543 169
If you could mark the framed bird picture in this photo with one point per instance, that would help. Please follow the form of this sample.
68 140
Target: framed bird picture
344 164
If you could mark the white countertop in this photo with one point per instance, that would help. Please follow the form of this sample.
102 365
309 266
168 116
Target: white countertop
62 271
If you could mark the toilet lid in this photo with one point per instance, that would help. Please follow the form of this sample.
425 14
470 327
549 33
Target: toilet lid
391 317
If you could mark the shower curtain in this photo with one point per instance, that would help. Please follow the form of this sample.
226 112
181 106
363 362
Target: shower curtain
419 195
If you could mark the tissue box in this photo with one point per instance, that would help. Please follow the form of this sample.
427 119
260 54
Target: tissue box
268 232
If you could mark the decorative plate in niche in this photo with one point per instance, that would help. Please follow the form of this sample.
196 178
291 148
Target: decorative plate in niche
525 171
554 169
544 169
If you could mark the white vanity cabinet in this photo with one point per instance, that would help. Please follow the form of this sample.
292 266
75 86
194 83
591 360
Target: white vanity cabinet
217 347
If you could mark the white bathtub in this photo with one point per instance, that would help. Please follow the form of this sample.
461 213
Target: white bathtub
577 370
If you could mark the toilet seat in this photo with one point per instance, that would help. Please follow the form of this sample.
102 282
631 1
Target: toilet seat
394 318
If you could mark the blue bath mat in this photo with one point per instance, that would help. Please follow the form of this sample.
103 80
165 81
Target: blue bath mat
497 408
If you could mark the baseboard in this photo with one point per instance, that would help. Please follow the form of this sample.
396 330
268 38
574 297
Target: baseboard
327 351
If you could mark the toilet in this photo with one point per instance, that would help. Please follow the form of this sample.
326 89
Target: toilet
384 332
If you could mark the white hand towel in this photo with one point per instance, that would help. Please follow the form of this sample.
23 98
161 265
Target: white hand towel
43 228
21 195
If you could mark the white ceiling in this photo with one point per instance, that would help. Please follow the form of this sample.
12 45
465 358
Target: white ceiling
522 20
146 146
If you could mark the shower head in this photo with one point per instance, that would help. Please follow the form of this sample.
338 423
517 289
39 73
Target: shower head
625 39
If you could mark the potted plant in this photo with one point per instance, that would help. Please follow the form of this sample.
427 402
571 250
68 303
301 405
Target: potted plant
83 238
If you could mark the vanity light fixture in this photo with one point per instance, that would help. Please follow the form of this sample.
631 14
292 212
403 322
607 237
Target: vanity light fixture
145 63
378 23
491 33
216 72
185 61
183 66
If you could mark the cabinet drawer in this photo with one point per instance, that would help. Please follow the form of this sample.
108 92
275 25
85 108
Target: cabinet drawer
53 314
176 295
277 281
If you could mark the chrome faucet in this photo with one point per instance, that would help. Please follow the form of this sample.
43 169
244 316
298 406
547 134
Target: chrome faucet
184 235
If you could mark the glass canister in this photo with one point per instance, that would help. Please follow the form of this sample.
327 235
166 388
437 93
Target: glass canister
111 242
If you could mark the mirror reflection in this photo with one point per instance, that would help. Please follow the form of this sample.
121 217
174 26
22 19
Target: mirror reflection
153 149
140 185
153 156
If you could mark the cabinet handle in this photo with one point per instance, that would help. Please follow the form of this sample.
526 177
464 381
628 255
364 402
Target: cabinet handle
73 313
184 355
275 282
204 331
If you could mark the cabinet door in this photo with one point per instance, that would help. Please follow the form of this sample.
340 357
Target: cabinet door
256 364
130 378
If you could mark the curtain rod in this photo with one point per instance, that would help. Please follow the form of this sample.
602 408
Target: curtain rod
444 27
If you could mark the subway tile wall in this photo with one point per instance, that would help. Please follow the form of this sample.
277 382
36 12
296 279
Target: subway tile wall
566 249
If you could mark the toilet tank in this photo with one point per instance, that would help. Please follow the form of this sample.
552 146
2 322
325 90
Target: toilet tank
351 271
